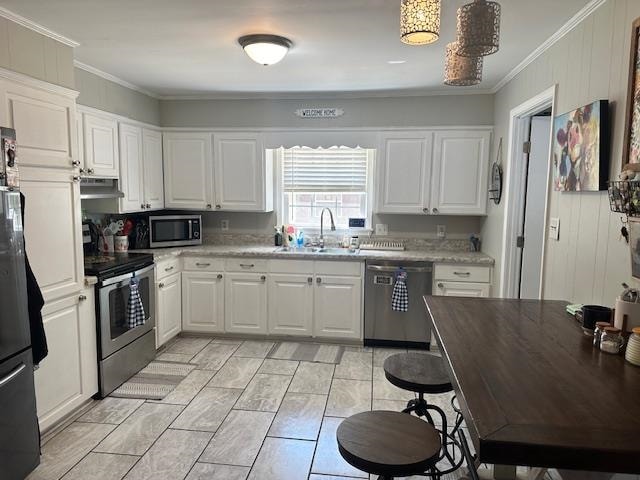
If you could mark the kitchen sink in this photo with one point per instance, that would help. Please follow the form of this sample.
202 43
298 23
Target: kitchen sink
318 250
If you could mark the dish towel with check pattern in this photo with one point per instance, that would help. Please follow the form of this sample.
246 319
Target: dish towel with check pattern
400 295
135 309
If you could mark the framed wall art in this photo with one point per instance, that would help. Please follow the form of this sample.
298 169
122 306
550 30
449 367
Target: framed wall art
631 153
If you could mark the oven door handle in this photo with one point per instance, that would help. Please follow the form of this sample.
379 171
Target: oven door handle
137 273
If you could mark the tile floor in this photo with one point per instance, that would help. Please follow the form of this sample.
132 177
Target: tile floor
236 416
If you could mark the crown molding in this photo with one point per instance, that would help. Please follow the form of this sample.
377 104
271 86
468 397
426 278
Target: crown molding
37 83
114 79
36 27
578 18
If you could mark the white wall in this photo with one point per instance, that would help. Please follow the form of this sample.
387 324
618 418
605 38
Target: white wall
590 260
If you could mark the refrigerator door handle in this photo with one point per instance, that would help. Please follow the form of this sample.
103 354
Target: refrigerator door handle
13 374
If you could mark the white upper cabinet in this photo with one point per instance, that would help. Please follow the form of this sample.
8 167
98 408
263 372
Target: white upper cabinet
243 175
188 182
101 146
131 169
153 178
404 172
460 172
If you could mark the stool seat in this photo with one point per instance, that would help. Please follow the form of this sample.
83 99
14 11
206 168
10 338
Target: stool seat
417 372
391 444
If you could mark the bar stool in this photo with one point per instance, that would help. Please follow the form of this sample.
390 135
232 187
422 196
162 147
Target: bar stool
389 444
426 374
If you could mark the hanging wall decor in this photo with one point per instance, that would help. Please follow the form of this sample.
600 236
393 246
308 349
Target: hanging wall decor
631 152
478 28
495 189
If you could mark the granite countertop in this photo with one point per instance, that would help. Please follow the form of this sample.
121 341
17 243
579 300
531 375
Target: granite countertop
436 256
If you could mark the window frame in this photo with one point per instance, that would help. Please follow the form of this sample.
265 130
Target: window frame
278 157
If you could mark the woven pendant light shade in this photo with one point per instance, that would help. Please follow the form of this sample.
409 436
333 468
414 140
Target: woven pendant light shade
462 71
478 28
419 21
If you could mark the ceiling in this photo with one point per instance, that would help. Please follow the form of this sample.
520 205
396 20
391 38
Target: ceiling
189 47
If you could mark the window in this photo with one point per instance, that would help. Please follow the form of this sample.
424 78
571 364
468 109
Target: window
315 178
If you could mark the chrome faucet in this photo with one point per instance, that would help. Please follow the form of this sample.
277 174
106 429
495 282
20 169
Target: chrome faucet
333 225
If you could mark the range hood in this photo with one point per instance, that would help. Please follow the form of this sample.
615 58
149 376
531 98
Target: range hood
97 188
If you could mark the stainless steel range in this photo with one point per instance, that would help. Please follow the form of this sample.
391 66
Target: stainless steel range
125 315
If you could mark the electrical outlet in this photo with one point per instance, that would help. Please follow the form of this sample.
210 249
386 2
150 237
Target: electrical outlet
382 229
441 231
224 225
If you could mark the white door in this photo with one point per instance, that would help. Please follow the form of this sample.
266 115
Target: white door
337 307
239 172
290 304
203 302
45 125
131 169
533 231
101 146
462 289
53 235
169 311
188 170
152 164
460 173
245 303
404 172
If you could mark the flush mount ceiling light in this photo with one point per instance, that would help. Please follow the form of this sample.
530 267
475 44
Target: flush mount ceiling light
478 28
265 49
419 21
462 71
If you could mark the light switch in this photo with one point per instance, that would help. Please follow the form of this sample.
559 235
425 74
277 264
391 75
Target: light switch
441 231
224 225
554 228
382 229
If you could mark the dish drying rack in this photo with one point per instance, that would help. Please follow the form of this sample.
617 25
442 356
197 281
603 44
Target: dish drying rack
394 246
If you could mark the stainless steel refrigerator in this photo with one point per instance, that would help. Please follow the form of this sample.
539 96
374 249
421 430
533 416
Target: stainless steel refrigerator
19 433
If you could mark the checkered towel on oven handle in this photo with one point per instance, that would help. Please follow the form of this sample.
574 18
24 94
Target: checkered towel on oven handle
400 294
135 309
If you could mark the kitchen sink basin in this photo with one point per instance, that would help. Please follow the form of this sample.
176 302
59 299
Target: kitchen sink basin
318 250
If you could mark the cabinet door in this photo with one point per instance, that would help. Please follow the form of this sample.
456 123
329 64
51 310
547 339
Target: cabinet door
67 377
240 172
188 166
203 302
290 304
461 289
169 311
131 169
337 307
245 303
101 146
152 166
460 173
45 125
53 235
404 172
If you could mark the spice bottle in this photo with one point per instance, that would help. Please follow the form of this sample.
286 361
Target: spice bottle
611 340
597 336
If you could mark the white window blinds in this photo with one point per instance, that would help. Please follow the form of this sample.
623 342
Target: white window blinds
336 169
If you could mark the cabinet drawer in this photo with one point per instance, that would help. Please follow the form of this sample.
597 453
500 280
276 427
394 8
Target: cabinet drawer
203 264
463 273
302 267
246 265
167 267
352 269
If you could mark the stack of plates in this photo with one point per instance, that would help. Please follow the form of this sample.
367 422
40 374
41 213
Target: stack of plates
633 349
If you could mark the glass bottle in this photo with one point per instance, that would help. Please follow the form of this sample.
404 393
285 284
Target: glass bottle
597 335
611 340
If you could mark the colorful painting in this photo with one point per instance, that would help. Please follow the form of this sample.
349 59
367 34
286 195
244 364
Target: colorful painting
581 149
632 140
634 242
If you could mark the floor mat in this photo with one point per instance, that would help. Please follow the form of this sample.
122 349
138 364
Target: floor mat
155 381
307 352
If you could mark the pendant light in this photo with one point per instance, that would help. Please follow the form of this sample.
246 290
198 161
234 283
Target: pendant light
461 71
265 49
419 21
478 28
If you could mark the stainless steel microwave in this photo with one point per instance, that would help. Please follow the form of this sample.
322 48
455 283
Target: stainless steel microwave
175 230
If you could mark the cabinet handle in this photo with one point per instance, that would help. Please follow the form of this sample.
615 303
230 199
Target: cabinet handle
161 285
318 280
435 210
208 205
462 274
81 170
168 269
247 265
148 205
219 276
310 280
203 264
440 285
90 171
143 206
77 178
82 298
425 210
218 207
263 278
76 163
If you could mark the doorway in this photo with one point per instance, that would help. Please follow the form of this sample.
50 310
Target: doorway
526 197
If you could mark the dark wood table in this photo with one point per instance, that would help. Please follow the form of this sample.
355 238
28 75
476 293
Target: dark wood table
532 388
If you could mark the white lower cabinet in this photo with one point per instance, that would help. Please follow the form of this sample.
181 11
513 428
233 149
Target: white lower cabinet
337 307
291 304
169 308
462 289
203 302
68 376
245 303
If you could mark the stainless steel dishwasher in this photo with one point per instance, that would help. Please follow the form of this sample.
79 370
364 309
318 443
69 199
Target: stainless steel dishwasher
386 327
